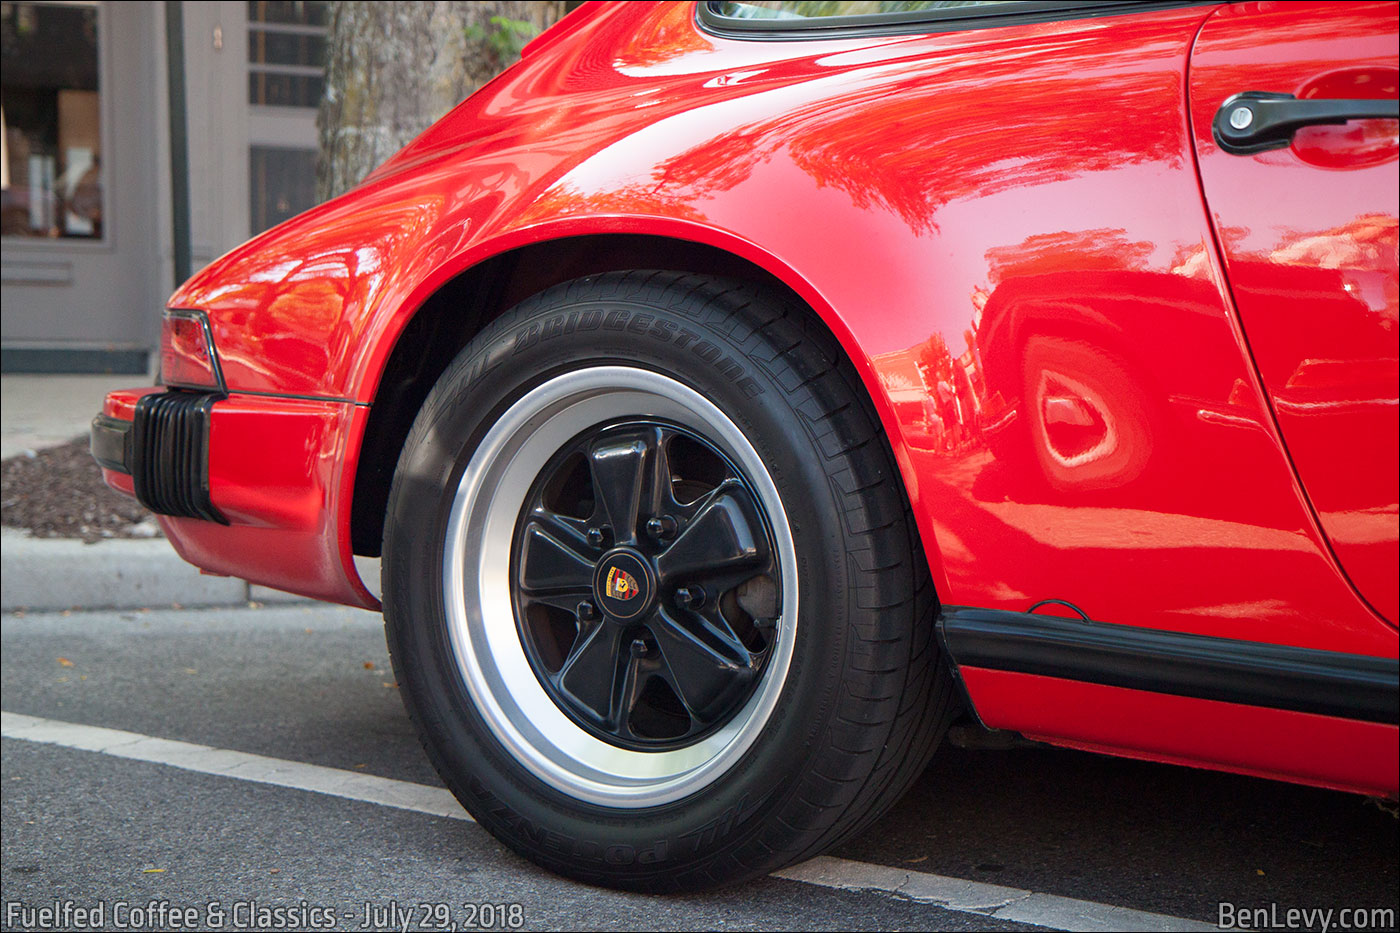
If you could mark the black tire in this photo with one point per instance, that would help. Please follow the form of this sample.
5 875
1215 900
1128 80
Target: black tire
840 704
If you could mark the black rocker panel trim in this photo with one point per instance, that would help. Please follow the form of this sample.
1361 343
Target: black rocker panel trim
1305 680
170 454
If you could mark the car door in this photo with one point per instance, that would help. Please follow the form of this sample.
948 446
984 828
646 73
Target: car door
1299 173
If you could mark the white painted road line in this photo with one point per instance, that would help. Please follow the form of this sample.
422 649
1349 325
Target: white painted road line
977 897
956 894
405 795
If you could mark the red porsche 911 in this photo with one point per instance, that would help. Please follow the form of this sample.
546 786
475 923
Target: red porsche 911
736 393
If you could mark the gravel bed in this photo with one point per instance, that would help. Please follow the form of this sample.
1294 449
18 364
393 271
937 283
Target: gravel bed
58 493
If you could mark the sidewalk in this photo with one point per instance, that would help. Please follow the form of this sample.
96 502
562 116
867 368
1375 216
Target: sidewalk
45 411
45 574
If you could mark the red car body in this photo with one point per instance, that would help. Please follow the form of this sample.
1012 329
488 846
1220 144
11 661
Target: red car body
1118 366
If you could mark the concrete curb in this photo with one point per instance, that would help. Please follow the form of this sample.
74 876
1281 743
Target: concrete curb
48 574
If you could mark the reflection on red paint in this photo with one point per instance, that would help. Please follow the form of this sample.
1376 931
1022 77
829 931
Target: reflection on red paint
1357 144
1347 755
1316 277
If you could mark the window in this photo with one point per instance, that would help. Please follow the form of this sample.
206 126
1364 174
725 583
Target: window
286 52
283 184
808 19
286 75
814 9
50 121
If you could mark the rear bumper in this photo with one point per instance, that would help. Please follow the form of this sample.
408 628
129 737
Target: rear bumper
165 451
110 443
256 487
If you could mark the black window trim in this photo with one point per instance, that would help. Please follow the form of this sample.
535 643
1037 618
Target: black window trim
947 19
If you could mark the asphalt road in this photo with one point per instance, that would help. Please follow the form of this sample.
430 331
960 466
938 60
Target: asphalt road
312 685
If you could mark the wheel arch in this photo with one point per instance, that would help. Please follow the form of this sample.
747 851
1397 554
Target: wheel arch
430 336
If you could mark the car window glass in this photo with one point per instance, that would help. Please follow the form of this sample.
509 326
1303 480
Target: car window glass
779 19
811 9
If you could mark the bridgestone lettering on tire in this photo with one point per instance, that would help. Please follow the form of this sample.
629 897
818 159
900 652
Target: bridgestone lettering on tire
652 589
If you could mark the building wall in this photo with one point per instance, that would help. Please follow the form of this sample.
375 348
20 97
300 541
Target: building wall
217 103
73 305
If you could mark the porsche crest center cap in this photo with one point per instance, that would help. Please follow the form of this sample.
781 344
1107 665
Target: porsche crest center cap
623 585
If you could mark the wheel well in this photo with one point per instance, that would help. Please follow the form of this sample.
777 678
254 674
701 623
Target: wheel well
453 315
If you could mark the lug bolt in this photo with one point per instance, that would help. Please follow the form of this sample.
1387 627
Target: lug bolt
597 535
639 648
586 611
661 527
690 597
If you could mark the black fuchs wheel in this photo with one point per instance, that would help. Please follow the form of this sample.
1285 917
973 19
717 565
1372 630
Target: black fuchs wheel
652 589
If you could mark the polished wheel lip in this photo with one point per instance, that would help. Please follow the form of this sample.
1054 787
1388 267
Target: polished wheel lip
485 642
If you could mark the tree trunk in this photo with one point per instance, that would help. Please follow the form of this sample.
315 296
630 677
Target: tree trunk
392 68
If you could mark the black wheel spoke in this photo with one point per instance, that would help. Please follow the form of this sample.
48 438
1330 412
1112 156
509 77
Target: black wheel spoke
593 672
567 600
552 565
660 497
722 538
626 691
619 468
704 663
567 530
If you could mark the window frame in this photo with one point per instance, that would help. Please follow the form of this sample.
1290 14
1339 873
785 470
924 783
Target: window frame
105 243
268 28
950 19
275 126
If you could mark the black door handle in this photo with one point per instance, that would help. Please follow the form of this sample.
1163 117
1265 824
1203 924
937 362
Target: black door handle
1258 120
